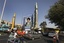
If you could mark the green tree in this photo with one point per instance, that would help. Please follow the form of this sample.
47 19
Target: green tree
43 24
56 14
3 22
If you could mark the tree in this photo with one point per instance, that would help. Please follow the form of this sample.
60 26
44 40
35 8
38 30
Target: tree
3 22
43 24
56 13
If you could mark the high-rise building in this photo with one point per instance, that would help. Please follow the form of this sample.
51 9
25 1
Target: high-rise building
36 17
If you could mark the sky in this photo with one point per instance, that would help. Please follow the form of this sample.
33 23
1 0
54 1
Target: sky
25 8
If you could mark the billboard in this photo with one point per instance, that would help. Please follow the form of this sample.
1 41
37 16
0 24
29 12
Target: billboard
27 23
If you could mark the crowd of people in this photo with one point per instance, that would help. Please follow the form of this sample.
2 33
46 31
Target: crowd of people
16 35
19 33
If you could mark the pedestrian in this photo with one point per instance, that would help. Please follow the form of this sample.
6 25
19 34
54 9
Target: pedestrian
20 35
15 37
57 37
54 39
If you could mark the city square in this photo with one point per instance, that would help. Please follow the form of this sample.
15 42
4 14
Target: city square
31 21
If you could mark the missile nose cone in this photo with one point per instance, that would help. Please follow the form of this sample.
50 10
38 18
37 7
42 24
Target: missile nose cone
14 14
36 5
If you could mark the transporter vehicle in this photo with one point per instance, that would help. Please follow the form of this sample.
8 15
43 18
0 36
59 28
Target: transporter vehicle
51 34
32 35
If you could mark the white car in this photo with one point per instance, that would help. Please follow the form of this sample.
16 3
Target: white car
51 34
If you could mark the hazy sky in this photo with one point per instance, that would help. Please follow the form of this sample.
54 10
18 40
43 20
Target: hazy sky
24 8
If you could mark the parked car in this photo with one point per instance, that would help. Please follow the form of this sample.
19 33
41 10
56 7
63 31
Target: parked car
32 35
0 29
4 28
51 34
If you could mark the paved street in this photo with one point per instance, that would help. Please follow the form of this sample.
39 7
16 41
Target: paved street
42 40
3 39
28 19
61 38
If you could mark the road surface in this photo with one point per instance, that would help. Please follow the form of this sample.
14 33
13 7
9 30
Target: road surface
3 39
